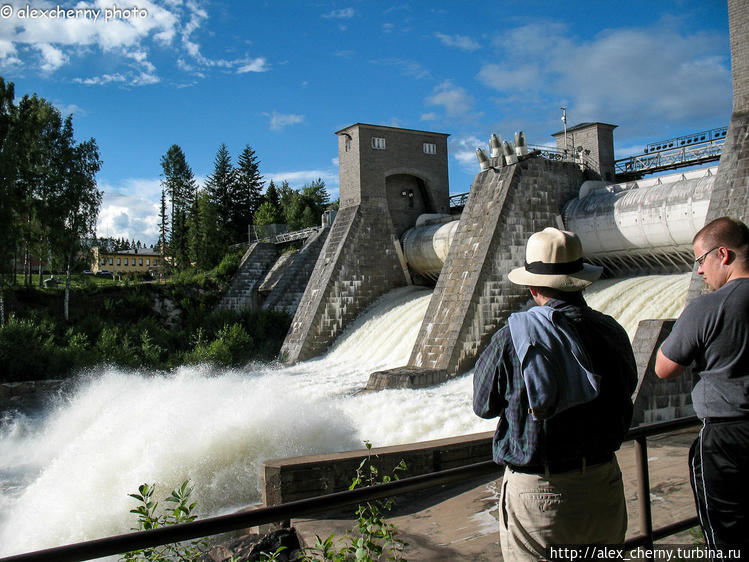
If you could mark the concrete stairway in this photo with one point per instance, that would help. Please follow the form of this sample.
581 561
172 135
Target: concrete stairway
242 292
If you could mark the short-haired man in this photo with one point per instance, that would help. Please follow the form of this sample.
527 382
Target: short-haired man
560 377
713 332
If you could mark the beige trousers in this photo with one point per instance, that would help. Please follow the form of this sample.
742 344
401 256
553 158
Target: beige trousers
583 506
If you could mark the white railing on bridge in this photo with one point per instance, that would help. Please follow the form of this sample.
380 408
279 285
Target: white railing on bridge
296 235
671 158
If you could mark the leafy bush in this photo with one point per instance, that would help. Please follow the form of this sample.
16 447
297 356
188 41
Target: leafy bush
232 347
228 267
25 346
181 512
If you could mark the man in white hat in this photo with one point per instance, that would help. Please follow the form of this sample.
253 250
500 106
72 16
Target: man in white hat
560 377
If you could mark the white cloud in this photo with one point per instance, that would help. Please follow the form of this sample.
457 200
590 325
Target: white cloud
344 14
256 65
280 120
101 80
67 109
127 43
633 77
52 58
460 41
8 54
428 116
454 99
406 67
463 149
502 79
130 210
297 179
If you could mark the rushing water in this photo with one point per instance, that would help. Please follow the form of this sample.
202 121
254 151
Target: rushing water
65 476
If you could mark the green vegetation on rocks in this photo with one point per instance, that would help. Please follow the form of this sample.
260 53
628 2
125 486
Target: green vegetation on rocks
133 324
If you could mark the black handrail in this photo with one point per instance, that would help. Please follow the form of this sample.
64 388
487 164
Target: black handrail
108 546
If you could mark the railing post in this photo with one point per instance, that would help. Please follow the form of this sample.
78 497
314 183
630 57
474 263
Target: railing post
646 519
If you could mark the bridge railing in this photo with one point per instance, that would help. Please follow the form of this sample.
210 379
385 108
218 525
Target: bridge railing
575 157
243 519
706 151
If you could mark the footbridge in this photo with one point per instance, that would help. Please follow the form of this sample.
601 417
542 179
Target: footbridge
680 152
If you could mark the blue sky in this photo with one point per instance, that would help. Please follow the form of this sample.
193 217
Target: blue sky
283 76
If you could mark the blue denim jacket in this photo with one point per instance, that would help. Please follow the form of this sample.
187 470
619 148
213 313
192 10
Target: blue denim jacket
556 369
588 429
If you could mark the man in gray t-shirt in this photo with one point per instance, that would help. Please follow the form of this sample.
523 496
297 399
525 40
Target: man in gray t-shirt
713 333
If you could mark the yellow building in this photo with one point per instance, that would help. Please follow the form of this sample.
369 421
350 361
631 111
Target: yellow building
139 260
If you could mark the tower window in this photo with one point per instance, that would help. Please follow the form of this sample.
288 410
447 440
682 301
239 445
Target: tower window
378 143
430 148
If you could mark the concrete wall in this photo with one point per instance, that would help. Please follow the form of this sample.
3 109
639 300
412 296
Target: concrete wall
655 399
242 292
731 189
364 169
357 264
297 478
598 138
287 290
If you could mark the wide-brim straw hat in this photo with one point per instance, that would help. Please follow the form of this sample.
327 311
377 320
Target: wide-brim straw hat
554 258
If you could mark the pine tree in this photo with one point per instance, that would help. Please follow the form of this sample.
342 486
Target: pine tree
163 228
179 184
219 186
246 193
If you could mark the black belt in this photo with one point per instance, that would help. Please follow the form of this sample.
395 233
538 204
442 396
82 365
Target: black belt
713 419
563 466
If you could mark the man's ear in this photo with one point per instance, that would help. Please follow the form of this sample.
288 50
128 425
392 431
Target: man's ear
726 255
534 291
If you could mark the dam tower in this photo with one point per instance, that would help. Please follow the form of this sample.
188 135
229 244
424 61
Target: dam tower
388 177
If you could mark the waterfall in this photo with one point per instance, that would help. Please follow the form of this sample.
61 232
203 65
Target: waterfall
65 476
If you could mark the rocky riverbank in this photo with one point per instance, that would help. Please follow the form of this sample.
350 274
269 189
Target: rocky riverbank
27 395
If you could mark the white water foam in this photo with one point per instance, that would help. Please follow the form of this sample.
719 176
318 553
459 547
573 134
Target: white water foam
65 478
636 298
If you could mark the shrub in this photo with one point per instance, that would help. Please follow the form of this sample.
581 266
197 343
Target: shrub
228 267
232 346
180 512
25 346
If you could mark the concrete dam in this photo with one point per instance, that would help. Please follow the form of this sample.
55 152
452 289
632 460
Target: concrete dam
395 227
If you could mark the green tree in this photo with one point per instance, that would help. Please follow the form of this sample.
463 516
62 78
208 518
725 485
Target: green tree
77 201
246 193
179 183
304 208
7 190
34 136
163 227
220 187
267 214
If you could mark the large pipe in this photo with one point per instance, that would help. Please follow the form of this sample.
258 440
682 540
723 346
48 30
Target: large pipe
660 214
653 217
425 247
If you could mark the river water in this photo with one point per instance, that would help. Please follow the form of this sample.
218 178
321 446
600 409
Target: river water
65 474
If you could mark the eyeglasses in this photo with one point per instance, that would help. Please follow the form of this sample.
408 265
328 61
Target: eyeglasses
701 259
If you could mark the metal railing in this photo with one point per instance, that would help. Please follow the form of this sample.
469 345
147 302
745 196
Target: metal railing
243 519
580 158
459 199
685 153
